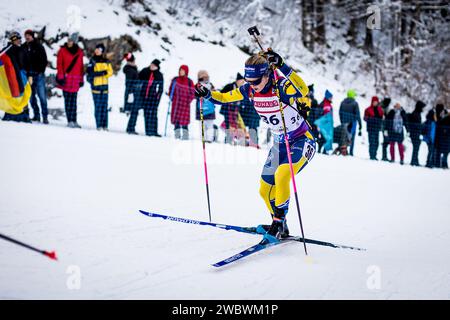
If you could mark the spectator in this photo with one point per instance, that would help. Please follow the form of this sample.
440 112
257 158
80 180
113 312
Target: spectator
415 129
131 80
325 123
395 121
183 94
250 118
209 112
315 113
442 136
17 56
429 136
385 106
342 136
152 82
36 58
98 71
373 115
230 112
69 76
349 113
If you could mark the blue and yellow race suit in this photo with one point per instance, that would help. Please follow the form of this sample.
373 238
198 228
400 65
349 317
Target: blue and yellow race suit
292 92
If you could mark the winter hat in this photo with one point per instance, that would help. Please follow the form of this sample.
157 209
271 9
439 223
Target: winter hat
30 32
129 57
156 62
74 37
352 94
185 68
420 105
14 35
202 74
311 88
374 99
100 46
328 95
239 76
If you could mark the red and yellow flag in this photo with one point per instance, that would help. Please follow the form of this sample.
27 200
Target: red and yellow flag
15 90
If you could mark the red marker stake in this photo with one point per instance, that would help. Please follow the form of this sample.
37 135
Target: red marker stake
49 254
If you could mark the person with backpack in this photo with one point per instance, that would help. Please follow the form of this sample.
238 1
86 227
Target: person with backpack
98 71
396 121
69 76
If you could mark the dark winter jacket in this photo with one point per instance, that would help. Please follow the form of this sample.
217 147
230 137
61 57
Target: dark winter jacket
415 121
36 57
131 73
373 115
151 86
349 111
18 57
443 133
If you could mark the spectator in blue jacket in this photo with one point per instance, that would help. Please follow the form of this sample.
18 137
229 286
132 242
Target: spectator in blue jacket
349 113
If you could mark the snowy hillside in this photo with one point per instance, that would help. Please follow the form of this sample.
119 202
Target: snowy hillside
172 44
79 192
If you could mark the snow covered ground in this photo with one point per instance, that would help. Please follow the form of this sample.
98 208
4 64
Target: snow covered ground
79 192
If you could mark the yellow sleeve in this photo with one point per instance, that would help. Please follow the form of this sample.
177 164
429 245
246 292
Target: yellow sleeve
295 79
228 97
109 70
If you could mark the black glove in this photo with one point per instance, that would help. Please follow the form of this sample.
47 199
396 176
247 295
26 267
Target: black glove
359 133
81 84
274 58
61 81
202 91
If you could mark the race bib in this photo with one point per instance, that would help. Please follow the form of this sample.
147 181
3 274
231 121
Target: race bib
308 151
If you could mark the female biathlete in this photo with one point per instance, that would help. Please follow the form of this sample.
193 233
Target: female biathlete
268 92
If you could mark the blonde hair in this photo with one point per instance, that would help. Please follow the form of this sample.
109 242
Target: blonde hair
255 59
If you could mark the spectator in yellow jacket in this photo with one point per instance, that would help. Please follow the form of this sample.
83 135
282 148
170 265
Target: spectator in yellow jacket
98 71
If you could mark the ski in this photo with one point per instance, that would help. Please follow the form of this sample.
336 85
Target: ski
252 250
249 230
201 223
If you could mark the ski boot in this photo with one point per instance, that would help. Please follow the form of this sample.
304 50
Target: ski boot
278 229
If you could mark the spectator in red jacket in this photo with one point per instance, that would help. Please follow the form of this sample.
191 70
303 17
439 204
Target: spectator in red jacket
69 76
373 115
182 96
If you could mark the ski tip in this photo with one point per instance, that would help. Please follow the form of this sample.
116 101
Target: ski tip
51 255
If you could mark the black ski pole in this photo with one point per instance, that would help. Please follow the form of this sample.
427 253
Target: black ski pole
253 31
49 254
204 156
